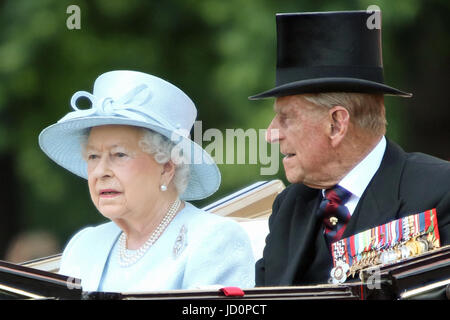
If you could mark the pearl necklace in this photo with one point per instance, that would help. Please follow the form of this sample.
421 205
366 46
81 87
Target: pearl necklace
126 258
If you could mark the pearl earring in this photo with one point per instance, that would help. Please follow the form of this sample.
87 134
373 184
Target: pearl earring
163 187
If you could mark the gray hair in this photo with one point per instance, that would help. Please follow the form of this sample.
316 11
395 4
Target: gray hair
160 147
366 110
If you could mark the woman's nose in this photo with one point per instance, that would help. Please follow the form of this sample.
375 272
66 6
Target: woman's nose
103 168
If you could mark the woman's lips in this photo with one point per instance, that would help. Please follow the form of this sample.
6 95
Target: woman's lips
109 193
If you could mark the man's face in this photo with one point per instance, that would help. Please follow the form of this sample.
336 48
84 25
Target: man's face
302 131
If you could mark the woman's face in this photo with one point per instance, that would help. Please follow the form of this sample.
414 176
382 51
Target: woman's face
123 180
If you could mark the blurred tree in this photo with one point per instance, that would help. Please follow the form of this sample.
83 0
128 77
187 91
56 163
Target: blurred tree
218 52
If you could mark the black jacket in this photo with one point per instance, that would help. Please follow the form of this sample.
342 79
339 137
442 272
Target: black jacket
405 183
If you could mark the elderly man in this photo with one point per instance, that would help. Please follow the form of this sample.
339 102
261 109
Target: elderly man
345 176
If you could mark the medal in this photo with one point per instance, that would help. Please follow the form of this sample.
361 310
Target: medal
393 241
405 252
430 240
424 245
339 272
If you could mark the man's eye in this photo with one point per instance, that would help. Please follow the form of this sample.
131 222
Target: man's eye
92 157
120 154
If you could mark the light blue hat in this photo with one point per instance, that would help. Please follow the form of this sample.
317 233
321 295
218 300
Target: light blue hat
135 99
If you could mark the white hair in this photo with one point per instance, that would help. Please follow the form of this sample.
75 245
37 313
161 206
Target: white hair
160 148
366 110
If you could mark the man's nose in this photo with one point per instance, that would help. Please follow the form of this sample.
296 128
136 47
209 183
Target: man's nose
272 133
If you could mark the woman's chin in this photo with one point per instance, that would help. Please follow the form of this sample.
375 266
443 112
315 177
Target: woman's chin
111 213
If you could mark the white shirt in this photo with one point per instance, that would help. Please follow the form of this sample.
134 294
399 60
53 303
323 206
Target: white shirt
358 178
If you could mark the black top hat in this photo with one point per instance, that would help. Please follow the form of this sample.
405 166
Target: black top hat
328 52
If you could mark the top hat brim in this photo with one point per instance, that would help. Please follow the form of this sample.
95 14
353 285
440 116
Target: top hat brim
332 84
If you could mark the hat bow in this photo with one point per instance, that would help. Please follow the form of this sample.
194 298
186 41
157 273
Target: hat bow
131 105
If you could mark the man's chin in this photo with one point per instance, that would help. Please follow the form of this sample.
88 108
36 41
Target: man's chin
293 178
301 180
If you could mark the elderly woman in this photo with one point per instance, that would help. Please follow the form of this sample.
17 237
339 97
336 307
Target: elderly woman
133 147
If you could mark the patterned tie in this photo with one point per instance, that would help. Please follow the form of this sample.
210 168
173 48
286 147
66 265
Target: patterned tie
334 214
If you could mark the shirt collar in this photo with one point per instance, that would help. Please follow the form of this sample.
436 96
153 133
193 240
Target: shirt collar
358 178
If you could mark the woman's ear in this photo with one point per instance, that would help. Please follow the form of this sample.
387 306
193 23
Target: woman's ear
339 119
168 172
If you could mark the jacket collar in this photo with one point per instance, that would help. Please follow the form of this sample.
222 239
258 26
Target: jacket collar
380 201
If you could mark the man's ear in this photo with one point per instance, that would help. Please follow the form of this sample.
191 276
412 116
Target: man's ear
339 119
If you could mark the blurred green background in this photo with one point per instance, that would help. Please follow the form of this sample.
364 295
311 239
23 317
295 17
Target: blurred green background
219 52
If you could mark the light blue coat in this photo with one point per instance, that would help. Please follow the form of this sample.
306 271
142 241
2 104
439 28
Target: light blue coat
197 249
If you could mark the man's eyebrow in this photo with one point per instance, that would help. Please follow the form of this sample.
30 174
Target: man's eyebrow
281 110
276 108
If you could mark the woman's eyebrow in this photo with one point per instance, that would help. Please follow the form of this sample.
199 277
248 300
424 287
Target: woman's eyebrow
90 147
119 146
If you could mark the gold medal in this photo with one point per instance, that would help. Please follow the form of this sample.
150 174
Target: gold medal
375 257
435 243
366 259
420 246
361 261
356 266
424 244
353 270
412 247
430 240
369 258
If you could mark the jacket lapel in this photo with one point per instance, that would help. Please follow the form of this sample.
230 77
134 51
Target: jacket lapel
304 228
380 202
99 250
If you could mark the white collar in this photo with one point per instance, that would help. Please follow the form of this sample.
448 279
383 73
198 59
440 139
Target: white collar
358 178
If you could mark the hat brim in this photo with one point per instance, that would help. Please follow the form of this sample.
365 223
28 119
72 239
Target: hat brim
62 143
330 85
